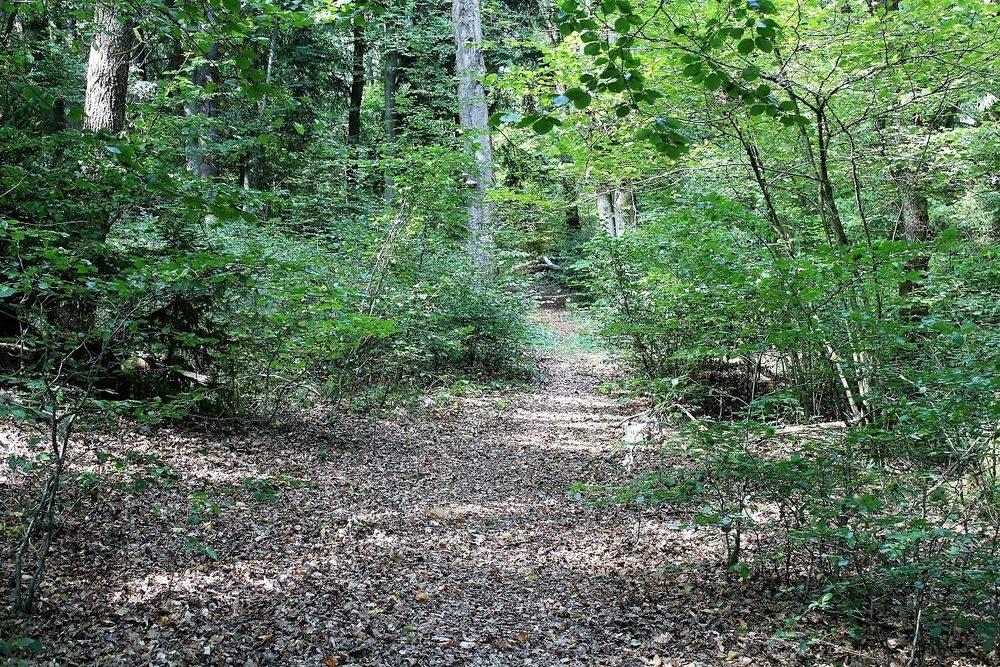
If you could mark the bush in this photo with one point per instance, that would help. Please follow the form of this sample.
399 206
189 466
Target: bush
886 518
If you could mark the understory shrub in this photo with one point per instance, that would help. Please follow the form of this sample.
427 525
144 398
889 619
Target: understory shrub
878 504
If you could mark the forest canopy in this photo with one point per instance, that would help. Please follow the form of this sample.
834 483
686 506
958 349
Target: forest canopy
782 218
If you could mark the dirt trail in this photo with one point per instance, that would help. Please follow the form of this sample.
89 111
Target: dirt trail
447 538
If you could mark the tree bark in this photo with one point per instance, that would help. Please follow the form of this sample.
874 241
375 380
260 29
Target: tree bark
107 71
606 211
357 96
827 200
624 212
201 161
916 229
390 79
473 116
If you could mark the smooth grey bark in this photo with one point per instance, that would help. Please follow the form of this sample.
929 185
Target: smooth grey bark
832 221
107 71
624 212
606 211
615 210
473 116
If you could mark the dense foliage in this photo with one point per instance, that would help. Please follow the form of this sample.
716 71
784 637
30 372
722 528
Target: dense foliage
785 216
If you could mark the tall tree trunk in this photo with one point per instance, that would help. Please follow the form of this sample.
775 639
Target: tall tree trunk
357 96
832 221
201 161
624 212
390 79
107 71
473 115
606 211
916 229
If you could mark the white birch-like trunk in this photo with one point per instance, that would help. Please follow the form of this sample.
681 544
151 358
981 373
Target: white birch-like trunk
473 116
624 212
606 211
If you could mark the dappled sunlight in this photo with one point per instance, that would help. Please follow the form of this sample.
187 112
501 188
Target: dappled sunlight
455 529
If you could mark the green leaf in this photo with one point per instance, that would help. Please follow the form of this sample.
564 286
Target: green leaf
544 124
580 97
692 70
502 117
745 46
232 5
764 44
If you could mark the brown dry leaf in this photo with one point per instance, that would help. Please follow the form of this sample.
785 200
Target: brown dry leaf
349 557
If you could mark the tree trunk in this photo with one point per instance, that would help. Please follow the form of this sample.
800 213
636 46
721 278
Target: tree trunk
473 115
916 229
624 210
107 72
200 159
606 211
827 201
390 79
357 96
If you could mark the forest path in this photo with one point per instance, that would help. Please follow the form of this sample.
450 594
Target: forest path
446 537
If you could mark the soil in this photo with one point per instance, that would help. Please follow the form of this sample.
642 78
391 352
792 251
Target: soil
450 535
